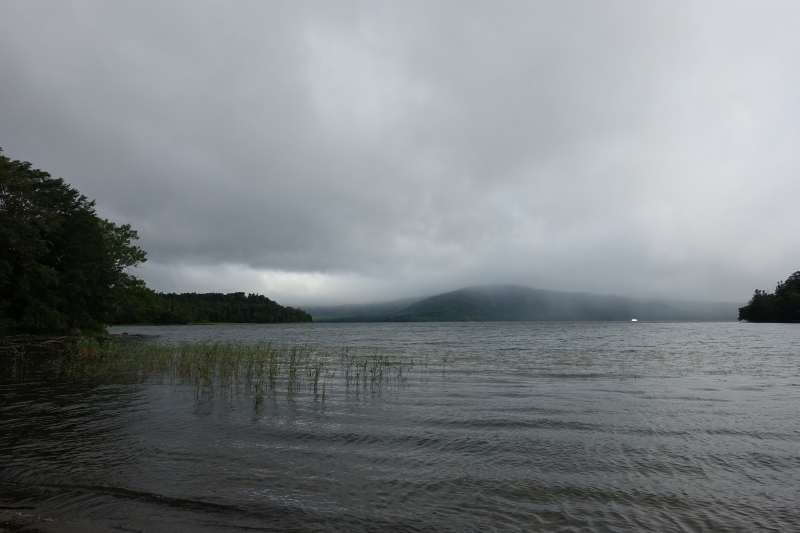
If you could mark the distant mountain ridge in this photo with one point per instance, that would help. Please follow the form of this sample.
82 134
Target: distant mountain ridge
489 303
329 313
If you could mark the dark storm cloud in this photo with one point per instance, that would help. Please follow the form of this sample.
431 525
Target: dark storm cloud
347 151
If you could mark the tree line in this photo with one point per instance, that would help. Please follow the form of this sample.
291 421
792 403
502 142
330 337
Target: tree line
64 269
781 306
192 308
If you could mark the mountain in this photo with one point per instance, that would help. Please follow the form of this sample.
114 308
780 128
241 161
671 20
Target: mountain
513 303
329 313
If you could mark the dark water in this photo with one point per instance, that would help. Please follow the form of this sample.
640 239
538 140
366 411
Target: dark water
529 427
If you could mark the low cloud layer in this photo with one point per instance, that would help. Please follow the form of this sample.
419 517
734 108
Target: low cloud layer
337 152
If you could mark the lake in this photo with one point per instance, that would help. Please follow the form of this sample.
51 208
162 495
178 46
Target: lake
500 426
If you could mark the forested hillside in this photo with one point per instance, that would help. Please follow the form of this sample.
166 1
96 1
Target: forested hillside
64 270
191 308
781 306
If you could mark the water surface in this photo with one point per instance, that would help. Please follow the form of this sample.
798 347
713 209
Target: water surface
525 427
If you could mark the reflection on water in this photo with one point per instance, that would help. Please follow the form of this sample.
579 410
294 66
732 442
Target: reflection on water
528 427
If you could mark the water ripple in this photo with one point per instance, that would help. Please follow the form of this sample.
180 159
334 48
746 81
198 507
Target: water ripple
544 430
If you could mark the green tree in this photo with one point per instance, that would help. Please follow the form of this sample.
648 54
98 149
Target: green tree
781 306
61 266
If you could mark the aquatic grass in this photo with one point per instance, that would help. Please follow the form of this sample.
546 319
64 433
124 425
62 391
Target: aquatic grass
227 367
261 369
20 356
19 364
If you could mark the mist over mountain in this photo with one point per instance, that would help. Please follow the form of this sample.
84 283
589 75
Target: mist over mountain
489 303
330 313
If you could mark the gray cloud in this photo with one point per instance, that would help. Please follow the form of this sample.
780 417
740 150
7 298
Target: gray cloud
346 151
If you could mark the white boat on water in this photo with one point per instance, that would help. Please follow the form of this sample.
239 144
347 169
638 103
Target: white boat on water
634 320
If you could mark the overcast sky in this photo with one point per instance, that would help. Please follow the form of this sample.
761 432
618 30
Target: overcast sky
341 152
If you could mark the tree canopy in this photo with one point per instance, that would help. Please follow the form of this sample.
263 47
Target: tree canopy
64 270
781 306
188 308
61 266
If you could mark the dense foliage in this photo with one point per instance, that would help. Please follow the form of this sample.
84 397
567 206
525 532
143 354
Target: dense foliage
65 270
160 308
781 306
62 268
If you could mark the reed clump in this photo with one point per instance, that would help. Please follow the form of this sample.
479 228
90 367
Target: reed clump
226 366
